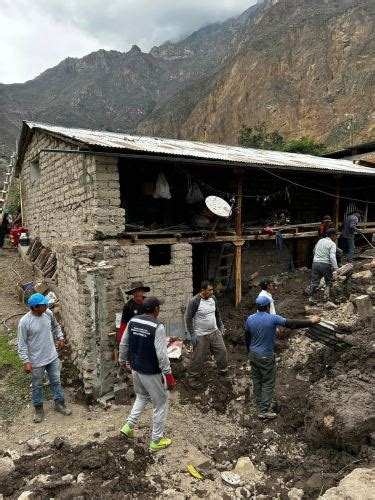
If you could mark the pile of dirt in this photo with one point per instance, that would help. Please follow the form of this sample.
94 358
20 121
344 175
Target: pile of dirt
84 471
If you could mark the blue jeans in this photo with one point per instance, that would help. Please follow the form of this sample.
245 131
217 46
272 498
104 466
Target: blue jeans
53 371
350 246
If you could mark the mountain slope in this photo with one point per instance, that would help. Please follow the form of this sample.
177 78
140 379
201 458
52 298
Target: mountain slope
302 65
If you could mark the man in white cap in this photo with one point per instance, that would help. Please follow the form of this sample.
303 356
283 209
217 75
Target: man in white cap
38 354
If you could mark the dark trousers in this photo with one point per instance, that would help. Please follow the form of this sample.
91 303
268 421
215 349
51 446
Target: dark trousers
215 344
263 371
320 270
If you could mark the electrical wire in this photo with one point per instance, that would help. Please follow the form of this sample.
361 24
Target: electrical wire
293 183
9 330
313 189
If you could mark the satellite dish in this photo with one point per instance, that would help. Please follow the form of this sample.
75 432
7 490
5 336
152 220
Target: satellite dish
218 206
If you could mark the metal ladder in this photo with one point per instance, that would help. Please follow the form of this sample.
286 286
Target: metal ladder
9 177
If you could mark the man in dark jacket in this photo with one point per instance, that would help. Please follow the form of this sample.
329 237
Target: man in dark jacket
206 331
134 306
348 231
260 331
144 347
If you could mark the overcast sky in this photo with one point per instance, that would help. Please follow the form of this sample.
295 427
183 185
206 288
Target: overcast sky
38 34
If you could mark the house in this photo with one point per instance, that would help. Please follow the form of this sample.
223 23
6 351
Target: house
88 198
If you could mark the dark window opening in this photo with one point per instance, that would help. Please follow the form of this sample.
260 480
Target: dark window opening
159 255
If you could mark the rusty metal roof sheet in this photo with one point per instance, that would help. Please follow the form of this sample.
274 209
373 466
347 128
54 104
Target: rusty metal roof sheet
204 150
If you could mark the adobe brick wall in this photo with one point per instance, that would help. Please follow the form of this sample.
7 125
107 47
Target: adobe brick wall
90 298
56 206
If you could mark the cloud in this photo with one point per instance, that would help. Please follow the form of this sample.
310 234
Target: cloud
37 35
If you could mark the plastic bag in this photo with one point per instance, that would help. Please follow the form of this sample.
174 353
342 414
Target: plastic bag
194 193
162 188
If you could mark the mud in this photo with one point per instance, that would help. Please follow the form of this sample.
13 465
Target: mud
107 473
324 400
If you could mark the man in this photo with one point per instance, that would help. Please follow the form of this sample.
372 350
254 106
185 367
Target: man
134 306
260 330
144 346
267 287
324 263
206 332
324 226
349 229
38 354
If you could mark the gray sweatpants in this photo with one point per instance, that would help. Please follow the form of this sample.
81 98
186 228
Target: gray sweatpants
150 388
213 342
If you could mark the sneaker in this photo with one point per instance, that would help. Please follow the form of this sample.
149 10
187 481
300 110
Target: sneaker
127 431
61 408
163 443
38 415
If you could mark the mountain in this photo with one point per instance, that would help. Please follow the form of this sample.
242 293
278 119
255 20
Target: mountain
299 65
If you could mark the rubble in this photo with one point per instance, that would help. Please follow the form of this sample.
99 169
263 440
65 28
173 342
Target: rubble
6 467
245 468
364 306
362 275
358 485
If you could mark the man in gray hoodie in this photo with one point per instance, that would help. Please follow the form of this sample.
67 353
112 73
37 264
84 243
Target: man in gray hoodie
38 354
206 332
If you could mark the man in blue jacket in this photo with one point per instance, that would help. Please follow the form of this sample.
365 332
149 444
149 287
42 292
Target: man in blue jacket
260 331
144 347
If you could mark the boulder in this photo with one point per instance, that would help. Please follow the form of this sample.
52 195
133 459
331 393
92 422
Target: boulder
364 306
358 485
362 275
26 495
245 468
295 494
6 467
33 444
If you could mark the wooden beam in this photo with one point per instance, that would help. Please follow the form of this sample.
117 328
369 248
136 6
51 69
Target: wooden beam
238 244
336 208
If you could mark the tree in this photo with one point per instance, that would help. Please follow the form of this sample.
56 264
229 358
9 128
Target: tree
304 146
258 137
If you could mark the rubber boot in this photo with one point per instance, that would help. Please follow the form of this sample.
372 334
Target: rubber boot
38 415
327 293
61 408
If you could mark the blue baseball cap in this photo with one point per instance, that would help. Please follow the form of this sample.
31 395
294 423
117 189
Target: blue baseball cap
263 301
37 299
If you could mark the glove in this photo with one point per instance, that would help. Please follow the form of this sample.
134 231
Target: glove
170 381
194 340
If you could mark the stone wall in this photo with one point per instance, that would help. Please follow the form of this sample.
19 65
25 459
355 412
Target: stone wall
73 196
90 277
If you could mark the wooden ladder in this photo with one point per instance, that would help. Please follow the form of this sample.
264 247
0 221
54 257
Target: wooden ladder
9 177
226 257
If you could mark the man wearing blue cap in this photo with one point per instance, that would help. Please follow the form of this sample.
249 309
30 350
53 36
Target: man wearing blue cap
38 354
260 331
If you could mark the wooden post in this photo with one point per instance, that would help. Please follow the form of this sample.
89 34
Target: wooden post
238 244
336 209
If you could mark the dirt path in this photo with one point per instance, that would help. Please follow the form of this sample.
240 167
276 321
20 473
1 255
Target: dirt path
212 427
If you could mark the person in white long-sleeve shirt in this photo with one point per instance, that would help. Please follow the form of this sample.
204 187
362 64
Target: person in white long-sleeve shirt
324 263
38 354
267 287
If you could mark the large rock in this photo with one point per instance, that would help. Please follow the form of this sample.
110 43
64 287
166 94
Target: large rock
364 306
362 275
358 485
6 467
245 468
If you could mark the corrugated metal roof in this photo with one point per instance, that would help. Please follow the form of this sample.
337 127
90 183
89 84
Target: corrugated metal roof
204 150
